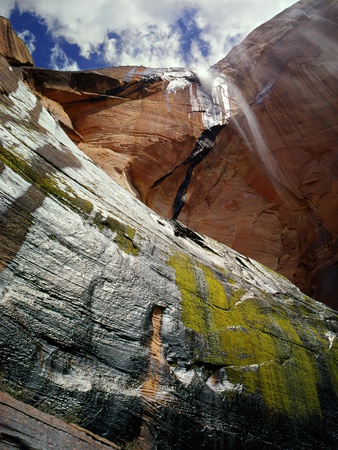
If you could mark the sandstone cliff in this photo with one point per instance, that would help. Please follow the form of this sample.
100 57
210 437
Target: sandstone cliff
136 327
264 180
12 47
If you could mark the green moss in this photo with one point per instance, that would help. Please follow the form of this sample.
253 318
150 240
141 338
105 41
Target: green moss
41 176
73 416
124 234
216 294
70 416
36 173
257 339
333 367
18 164
132 445
236 295
66 196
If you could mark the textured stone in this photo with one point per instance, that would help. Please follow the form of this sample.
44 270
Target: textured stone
268 185
22 426
138 328
12 47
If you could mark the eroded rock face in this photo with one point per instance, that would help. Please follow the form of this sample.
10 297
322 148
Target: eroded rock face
267 183
12 47
138 124
138 328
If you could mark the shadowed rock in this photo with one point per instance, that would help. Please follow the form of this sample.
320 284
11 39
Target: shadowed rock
24 427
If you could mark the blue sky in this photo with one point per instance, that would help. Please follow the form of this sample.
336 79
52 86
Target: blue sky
87 34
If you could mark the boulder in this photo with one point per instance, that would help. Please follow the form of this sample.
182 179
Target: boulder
22 426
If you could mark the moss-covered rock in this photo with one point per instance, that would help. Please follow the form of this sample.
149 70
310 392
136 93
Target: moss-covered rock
43 177
124 234
264 345
241 358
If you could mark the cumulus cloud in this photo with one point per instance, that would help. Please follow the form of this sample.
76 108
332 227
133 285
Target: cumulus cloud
29 39
60 61
5 7
150 45
152 32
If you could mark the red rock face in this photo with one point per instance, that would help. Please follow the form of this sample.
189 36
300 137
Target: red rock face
267 184
284 82
12 47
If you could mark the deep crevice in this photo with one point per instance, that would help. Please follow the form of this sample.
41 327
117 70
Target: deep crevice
205 143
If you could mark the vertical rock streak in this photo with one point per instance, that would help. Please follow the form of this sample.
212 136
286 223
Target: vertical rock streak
241 358
150 387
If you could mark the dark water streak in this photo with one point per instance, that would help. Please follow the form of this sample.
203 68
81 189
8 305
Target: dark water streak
205 143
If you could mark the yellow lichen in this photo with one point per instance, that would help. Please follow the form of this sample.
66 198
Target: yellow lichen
257 340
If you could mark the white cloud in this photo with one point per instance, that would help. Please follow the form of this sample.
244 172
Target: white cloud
150 46
110 50
6 6
146 31
60 61
29 39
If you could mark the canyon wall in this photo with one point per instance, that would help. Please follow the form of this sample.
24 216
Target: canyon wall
132 325
265 183
138 328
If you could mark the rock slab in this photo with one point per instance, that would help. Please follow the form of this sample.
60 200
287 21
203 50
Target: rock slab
12 47
22 426
138 328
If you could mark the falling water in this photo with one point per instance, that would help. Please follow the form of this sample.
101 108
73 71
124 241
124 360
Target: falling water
253 136
208 95
256 142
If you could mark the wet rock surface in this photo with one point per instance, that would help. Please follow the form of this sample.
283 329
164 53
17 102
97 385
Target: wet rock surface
284 86
134 326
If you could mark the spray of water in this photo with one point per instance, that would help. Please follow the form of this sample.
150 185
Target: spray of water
253 135
212 96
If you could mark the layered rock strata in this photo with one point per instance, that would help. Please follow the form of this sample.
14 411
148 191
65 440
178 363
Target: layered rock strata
269 186
284 85
138 328
24 427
